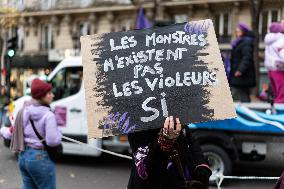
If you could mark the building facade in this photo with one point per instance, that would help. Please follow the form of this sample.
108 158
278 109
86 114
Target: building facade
49 30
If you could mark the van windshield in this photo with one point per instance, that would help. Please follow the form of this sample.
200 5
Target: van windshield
67 82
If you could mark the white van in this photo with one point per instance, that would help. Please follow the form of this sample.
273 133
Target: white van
69 93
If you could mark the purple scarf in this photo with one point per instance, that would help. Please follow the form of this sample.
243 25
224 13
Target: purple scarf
236 42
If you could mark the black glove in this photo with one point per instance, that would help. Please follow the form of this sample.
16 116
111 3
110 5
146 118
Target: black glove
195 184
202 174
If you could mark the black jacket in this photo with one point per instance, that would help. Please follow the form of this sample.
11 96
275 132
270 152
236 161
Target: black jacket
242 60
156 162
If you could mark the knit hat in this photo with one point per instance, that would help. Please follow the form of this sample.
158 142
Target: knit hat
276 27
243 27
40 88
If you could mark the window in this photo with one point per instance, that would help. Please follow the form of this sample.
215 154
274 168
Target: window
85 3
48 4
124 1
20 5
181 18
223 27
20 34
266 18
81 29
123 25
84 28
13 34
67 82
46 37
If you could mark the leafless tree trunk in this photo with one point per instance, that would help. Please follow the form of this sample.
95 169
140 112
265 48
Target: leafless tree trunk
255 10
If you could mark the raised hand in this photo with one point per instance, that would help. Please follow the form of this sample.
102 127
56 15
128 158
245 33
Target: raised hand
170 131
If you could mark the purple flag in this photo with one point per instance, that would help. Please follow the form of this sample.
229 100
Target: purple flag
142 21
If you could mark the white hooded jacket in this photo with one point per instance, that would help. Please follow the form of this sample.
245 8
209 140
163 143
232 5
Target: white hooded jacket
274 51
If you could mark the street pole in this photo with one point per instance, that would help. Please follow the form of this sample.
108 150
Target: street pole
1 49
8 77
3 58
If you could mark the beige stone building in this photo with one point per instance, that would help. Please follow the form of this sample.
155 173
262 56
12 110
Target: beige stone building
49 30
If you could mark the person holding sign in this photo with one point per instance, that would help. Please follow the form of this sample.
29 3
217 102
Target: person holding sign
167 158
242 74
135 79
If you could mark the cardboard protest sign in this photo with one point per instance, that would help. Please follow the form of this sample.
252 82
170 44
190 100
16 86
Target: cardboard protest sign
134 79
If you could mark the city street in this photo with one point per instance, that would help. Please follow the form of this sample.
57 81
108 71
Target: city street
93 69
108 173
